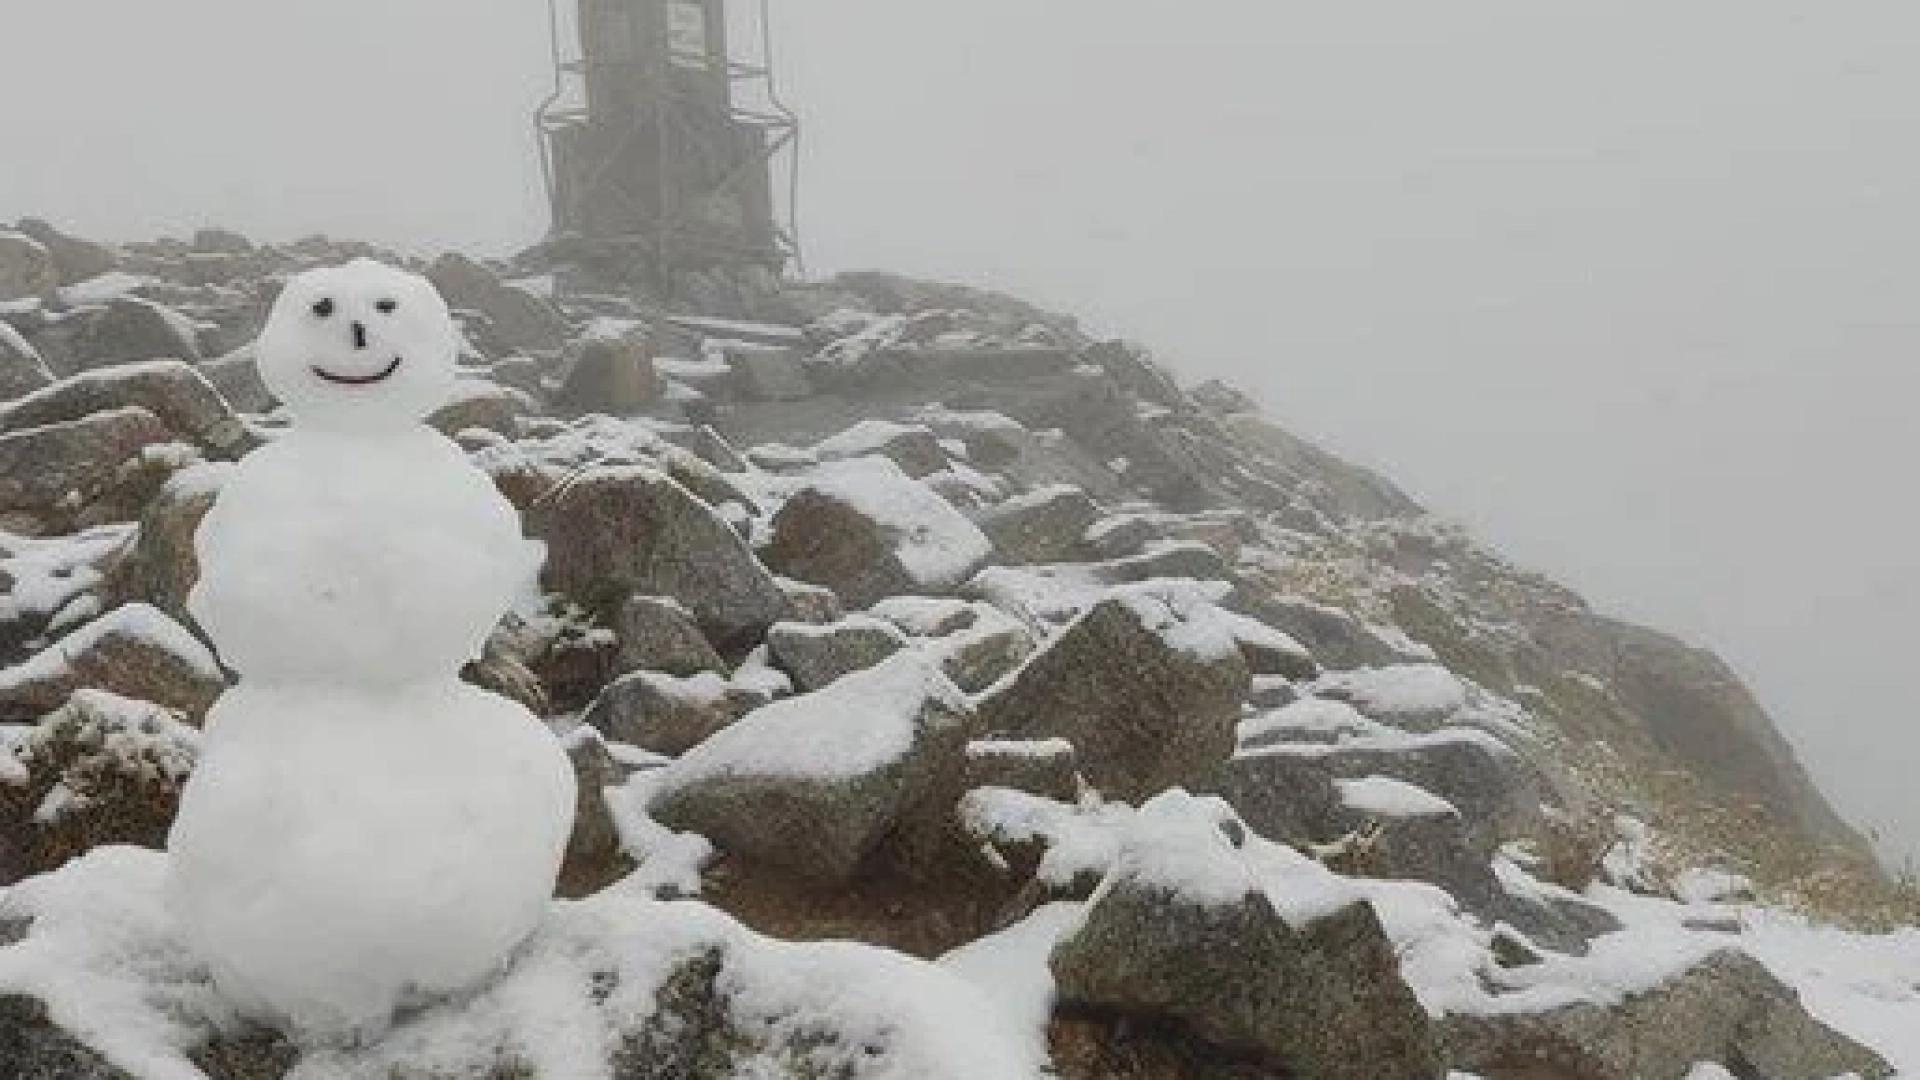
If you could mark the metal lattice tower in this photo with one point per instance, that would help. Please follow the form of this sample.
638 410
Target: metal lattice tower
660 140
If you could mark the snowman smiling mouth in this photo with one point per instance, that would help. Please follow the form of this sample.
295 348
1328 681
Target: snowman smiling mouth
358 380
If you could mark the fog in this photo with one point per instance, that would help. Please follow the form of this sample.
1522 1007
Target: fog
1632 289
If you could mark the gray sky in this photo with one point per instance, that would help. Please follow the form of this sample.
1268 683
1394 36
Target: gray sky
1634 288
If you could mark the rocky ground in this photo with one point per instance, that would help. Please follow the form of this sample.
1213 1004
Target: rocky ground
954 696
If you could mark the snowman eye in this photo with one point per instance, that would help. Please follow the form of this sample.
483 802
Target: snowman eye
324 308
387 307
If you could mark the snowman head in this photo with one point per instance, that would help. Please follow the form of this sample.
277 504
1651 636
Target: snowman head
359 347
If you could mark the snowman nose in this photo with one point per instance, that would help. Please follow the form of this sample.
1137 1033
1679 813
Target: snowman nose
359 335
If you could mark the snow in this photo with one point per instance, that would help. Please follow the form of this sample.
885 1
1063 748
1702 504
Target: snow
1254 633
692 369
859 335
865 437
108 286
670 863
1389 739
1081 841
49 572
1184 615
106 959
1041 596
1700 885
858 724
929 616
1866 985
1037 749
1176 843
1311 720
139 621
110 737
755 332
1383 796
757 675
1011 968
1418 691
935 543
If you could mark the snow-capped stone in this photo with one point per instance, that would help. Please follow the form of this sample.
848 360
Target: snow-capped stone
914 448
616 531
1335 638
1413 834
238 380
1287 799
135 651
172 390
1270 652
1182 930
611 375
162 566
807 603
658 634
1195 562
22 370
768 373
49 473
26 268
668 714
102 769
480 404
818 655
522 319
977 644
595 858
1271 692
1144 686
1048 525
867 530
128 330
1497 795
1044 767
1726 1010
75 259
814 783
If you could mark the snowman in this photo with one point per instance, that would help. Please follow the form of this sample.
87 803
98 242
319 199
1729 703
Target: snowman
364 830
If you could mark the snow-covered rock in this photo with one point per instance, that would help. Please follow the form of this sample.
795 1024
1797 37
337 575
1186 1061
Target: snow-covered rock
666 713
867 530
659 634
172 390
814 783
617 531
128 330
1727 1010
522 319
26 267
22 369
1047 525
1183 930
134 650
102 769
50 473
815 656
1145 685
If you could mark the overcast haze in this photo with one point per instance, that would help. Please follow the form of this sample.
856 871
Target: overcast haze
1633 289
